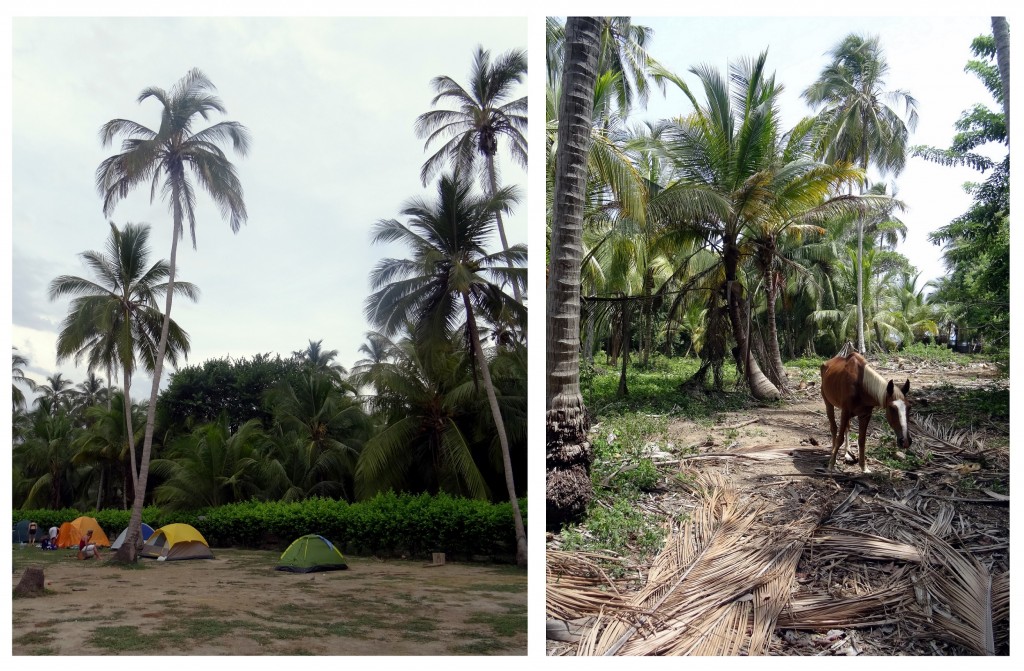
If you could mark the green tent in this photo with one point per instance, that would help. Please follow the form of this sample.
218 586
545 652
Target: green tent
311 553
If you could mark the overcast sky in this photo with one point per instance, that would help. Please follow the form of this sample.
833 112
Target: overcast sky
330 104
926 57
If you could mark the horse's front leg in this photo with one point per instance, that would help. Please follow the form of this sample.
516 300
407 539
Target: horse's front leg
844 425
862 428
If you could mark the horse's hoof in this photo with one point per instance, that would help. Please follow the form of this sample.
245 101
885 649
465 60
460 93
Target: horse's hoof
865 470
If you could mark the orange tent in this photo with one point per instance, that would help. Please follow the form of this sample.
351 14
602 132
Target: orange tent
98 537
68 536
70 533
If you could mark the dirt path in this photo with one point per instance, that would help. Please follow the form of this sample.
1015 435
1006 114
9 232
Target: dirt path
862 549
237 604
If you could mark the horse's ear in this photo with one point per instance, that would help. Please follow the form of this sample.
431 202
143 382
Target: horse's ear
889 388
906 387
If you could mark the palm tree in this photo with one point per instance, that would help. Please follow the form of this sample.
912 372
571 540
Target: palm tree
857 124
319 360
568 452
449 266
421 397
211 467
174 157
322 431
484 116
55 394
18 376
108 440
115 318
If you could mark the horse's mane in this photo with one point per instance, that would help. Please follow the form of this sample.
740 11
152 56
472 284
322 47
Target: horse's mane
875 386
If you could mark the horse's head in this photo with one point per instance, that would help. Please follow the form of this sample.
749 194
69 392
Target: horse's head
897 412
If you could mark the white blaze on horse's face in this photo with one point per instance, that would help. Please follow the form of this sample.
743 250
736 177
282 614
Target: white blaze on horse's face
896 413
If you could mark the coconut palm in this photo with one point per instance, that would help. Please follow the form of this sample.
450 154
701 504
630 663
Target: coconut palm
568 452
175 158
115 318
424 397
449 276
319 360
484 116
55 395
321 429
106 443
18 377
858 125
211 467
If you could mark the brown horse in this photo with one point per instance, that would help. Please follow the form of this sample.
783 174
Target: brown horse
850 384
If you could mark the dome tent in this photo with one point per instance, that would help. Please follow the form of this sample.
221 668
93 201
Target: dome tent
311 553
70 533
176 541
145 530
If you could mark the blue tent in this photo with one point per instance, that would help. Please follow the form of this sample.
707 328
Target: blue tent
145 530
21 532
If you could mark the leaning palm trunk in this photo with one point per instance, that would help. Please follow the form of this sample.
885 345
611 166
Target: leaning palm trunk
129 427
129 550
492 183
499 425
568 452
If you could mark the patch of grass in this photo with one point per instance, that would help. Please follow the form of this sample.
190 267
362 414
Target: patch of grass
502 624
36 638
969 407
345 630
420 624
619 527
890 455
115 640
482 646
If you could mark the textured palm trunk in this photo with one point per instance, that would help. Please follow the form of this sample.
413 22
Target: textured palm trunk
760 386
499 425
778 376
492 182
1001 33
623 390
129 427
129 550
568 452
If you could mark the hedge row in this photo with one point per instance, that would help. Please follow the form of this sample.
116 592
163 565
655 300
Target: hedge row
389 524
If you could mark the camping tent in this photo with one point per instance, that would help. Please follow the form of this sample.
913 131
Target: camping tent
311 553
145 530
68 535
21 532
177 541
83 524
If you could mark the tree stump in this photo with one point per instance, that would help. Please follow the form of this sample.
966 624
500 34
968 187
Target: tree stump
32 582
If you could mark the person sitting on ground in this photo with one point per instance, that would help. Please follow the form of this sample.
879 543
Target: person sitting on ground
32 528
86 548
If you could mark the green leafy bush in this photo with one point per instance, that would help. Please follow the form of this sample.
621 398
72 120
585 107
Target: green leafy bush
389 524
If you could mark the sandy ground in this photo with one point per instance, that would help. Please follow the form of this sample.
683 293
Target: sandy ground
237 604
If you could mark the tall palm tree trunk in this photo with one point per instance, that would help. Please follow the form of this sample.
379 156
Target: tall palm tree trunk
499 425
492 182
129 426
778 372
1001 33
760 386
128 552
568 452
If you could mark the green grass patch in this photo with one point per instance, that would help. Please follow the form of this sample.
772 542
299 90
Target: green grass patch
345 630
120 639
418 624
969 407
36 638
502 624
482 646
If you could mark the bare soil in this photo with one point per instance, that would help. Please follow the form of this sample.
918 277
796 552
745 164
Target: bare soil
237 604
777 455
